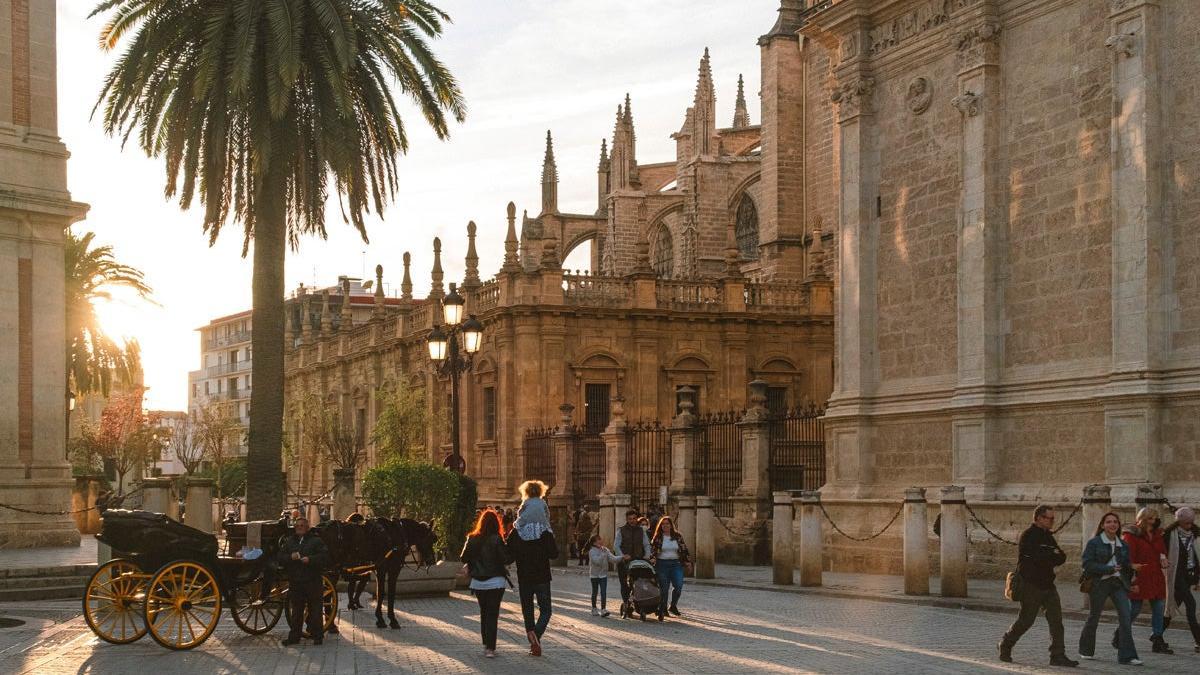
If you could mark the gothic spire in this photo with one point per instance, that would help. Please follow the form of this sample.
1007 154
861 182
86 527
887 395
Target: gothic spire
436 291
471 280
549 178
602 179
326 313
512 262
378 311
704 118
741 118
347 319
623 162
604 154
406 283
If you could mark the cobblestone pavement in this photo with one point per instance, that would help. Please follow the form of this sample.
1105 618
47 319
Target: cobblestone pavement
726 630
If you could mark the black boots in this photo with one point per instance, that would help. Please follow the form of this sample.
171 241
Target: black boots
1062 661
1005 652
1160 646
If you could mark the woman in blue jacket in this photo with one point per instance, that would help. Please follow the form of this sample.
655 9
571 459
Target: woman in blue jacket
1106 565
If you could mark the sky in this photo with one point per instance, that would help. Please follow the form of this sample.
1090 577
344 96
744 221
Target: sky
525 67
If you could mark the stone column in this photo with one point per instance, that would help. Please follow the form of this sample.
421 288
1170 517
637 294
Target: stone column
343 494
916 542
156 495
93 516
954 542
782 555
198 504
686 519
564 457
313 513
616 449
811 539
684 442
79 502
754 492
705 548
982 247
1142 296
1097 500
620 506
608 528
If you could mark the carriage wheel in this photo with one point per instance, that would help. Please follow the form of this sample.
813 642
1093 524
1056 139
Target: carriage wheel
256 619
183 605
112 602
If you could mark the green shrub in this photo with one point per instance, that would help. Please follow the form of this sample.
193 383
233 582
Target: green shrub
416 490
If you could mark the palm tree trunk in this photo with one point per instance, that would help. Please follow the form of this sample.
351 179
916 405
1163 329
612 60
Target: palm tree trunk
264 497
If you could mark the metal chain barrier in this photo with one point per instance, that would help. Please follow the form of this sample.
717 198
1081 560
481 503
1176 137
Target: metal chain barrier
118 499
980 523
1060 528
852 537
750 531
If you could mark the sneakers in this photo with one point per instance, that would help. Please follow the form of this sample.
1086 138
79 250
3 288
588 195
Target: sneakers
489 653
1061 661
595 611
1005 652
1131 662
605 612
1087 657
535 645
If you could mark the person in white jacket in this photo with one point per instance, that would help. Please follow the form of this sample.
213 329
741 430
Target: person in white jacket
599 558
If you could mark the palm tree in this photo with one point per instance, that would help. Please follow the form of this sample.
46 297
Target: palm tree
93 358
253 106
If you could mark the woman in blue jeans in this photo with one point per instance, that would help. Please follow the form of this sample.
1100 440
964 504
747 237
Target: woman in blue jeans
1106 565
669 555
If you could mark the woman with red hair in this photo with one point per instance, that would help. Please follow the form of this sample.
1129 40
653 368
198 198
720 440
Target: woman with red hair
486 560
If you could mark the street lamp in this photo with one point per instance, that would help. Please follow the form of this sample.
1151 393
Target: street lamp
67 432
444 351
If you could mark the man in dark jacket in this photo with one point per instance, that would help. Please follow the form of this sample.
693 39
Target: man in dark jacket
631 543
304 557
532 548
1038 555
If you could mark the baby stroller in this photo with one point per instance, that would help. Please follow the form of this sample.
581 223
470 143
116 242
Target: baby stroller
644 596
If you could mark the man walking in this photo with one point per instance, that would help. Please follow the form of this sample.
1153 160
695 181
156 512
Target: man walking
1038 555
631 543
532 547
304 556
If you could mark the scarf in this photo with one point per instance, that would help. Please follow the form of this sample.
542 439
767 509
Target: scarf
1185 542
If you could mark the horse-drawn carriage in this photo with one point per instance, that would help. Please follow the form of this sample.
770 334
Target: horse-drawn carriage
170 581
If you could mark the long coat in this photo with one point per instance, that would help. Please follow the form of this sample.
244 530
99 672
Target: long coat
1173 562
1145 551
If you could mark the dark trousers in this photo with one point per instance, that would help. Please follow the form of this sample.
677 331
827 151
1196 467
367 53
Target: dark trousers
600 585
540 592
489 615
1102 590
1033 601
302 596
1183 596
623 577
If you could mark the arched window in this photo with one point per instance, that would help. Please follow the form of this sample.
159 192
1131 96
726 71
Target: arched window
664 252
747 229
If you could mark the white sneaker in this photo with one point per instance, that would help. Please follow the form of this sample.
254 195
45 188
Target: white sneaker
595 612
605 612
1134 662
1087 657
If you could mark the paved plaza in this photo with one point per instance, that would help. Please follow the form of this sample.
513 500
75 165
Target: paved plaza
727 630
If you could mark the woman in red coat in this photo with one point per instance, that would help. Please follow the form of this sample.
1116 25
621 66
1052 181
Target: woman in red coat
1148 556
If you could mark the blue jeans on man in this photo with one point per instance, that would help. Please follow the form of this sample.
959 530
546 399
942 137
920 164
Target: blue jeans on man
670 573
541 593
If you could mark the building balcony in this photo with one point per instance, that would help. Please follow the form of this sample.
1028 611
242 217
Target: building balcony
227 340
235 395
227 368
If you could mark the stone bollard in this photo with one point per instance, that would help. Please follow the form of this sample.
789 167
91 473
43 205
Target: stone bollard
686 521
608 529
198 510
916 542
954 542
313 513
706 543
1097 500
156 495
93 516
79 504
783 558
343 494
810 538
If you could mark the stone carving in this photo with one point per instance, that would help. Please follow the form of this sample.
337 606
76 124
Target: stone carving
919 96
918 20
967 103
1122 44
852 96
850 47
978 45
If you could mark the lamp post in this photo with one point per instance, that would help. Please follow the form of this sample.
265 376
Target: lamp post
452 359
67 433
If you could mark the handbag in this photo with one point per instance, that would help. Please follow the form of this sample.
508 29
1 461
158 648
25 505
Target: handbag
1085 582
1013 586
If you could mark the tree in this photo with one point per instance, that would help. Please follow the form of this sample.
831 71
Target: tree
218 430
187 444
254 106
341 444
93 358
403 423
126 436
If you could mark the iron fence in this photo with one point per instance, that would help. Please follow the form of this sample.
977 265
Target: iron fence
588 477
539 454
798 449
718 471
649 464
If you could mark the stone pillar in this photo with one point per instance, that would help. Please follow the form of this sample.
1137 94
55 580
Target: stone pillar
608 528
686 520
1097 500
705 548
79 502
1142 296
982 247
954 542
916 542
811 540
620 506
684 445
198 504
313 513
782 554
173 501
754 492
343 494
156 495
616 449
564 457
93 516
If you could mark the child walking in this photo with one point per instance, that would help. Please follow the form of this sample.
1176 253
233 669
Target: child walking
533 516
598 559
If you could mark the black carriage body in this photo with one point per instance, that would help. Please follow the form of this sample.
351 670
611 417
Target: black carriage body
152 540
